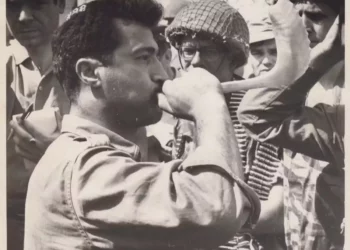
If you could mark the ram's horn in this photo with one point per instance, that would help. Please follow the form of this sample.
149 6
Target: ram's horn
293 51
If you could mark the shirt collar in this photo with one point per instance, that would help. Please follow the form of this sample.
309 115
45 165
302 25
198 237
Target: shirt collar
21 54
18 51
84 128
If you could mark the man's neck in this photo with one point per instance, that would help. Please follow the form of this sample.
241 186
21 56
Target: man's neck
137 135
41 56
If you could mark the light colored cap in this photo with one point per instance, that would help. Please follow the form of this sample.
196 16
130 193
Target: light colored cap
259 24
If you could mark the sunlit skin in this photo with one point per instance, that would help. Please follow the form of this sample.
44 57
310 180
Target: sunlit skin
317 18
263 56
202 53
129 83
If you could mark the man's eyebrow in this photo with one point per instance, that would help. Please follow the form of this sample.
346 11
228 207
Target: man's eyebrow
150 49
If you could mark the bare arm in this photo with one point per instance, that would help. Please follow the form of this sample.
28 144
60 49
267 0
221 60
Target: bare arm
271 220
279 116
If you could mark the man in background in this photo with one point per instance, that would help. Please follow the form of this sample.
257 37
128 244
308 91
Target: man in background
318 16
263 51
314 182
29 81
219 47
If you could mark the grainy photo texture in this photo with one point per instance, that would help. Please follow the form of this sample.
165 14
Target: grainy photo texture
175 124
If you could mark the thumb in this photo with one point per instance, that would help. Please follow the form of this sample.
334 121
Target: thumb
164 104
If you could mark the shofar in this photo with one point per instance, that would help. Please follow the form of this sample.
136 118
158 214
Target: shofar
293 51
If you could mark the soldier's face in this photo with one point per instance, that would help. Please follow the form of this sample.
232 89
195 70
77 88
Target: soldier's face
133 77
204 53
263 56
317 18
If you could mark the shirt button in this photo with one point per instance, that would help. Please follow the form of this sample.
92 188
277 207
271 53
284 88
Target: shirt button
41 88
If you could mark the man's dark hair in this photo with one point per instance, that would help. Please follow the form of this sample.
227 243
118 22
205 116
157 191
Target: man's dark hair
336 5
89 33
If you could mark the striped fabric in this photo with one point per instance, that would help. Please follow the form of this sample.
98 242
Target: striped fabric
314 203
263 172
233 100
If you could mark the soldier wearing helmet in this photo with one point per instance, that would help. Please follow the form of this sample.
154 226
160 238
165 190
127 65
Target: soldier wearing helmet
211 35
214 36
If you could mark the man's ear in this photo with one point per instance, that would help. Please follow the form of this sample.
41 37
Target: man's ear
87 71
61 5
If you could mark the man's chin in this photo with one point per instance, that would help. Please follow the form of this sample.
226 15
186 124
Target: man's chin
29 41
152 117
156 116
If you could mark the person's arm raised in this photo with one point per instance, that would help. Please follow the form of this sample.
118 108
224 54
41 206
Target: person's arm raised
279 116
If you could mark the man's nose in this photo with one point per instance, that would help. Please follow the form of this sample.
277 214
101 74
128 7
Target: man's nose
307 23
196 60
25 13
267 60
158 73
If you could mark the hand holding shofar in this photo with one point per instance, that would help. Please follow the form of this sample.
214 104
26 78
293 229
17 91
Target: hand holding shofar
293 51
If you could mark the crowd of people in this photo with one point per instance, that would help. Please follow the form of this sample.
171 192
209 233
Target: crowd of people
121 136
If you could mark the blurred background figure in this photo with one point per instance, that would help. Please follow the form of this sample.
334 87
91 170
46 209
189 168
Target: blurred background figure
263 51
321 179
314 195
318 16
218 46
313 187
30 80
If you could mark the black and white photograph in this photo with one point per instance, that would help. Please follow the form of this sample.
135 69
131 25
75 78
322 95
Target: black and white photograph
174 125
